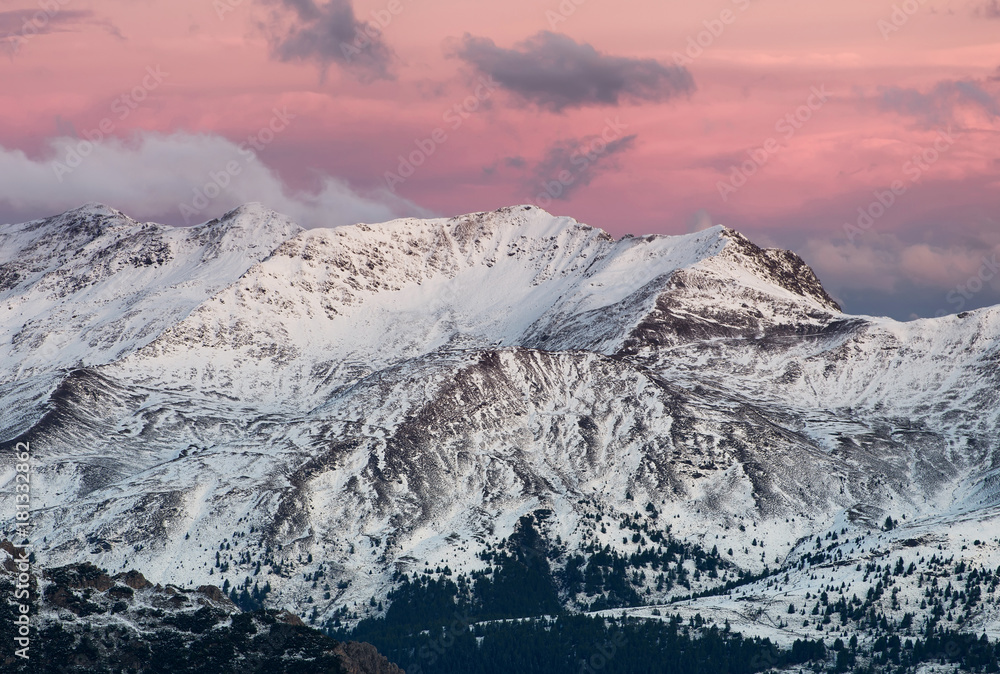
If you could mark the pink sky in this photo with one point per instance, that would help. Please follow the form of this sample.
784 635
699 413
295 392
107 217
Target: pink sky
892 84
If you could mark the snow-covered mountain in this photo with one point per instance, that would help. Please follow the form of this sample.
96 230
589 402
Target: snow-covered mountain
248 398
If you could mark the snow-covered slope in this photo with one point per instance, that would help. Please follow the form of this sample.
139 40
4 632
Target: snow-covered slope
91 286
368 399
347 302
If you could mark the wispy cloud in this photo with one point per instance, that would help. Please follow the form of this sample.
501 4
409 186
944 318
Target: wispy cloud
577 162
990 9
19 25
938 105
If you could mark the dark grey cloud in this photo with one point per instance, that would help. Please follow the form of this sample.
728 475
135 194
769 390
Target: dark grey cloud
307 10
329 34
555 72
937 106
17 26
571 164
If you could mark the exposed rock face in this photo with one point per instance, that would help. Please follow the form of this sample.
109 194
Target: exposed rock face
360 658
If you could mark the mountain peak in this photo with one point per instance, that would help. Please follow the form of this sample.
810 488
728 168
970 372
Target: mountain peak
96 208
250 226
68 231
782 267
251 209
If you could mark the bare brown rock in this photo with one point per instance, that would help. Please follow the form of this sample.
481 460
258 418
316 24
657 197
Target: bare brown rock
363 658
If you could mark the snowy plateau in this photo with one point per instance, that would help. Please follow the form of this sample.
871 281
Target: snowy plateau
324 410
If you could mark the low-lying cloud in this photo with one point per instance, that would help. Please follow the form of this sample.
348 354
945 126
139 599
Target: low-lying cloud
937 279
156 177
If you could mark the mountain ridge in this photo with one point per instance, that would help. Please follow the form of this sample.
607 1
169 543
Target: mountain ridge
358 401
